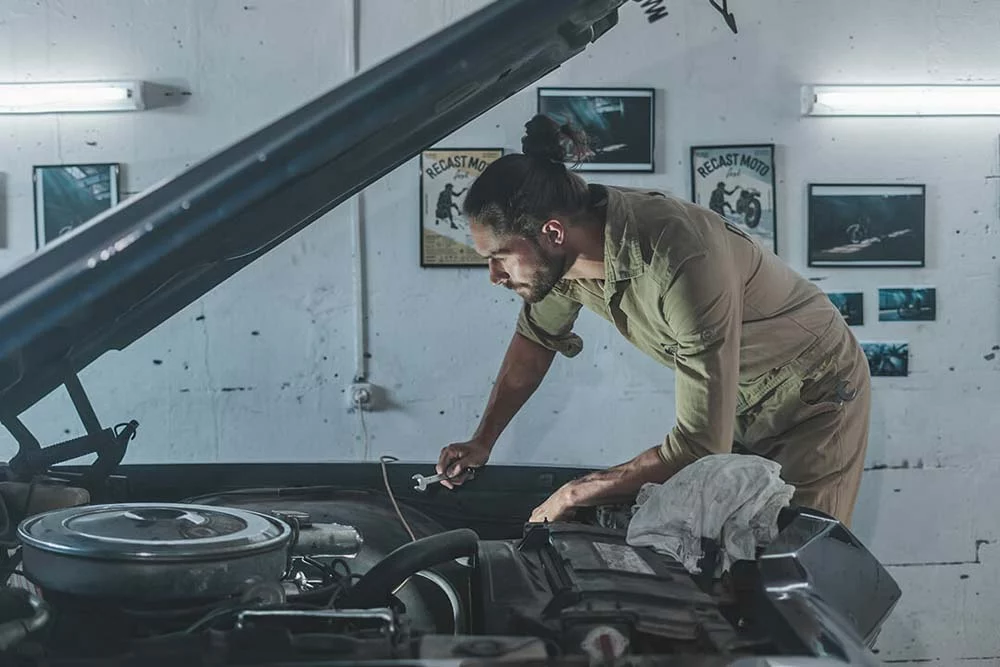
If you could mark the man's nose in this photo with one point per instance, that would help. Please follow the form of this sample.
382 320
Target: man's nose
497 275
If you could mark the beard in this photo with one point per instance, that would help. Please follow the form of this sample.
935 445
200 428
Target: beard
551 269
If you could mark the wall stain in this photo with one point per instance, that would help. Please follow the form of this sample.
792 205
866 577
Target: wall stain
902 465
228 389
977 561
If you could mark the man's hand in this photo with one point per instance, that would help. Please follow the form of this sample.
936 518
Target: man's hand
457 458
555 508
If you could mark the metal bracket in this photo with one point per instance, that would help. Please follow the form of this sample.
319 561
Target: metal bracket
108 443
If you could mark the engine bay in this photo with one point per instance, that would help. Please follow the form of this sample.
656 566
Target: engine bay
285 576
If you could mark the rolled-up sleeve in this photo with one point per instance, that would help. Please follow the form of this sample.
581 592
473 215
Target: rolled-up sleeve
550 323
703 305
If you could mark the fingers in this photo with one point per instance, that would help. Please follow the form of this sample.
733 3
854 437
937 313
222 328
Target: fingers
457 461
448 464
455 471
443 459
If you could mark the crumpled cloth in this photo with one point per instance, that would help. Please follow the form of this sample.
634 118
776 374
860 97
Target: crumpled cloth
733 499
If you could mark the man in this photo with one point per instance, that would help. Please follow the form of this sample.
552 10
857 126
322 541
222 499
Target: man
761 356
717 202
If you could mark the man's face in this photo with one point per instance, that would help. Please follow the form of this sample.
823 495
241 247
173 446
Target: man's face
530 267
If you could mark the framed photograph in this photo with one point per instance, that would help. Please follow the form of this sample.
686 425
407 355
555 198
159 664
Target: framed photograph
618 123
888 359
907 304
445 177
66 196
737 182
850 305
866 225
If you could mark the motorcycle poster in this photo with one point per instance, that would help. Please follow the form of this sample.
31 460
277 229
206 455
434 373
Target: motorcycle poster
866 225
737 182
445 177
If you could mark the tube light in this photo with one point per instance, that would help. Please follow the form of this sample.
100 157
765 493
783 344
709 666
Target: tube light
71 97
901 100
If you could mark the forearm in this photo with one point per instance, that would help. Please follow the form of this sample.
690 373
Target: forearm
619 483
524 366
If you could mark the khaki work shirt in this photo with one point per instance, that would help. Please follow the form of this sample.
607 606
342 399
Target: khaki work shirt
703 298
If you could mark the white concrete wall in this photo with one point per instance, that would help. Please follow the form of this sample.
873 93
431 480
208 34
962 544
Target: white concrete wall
255 371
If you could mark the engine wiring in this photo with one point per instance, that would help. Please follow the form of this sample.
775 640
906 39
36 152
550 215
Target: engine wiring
392 497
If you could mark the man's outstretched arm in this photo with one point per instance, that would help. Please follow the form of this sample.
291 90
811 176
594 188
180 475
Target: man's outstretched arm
620 483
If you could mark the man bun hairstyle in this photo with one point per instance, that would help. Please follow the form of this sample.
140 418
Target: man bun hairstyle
517 193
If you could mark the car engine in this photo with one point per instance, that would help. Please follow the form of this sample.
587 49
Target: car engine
268 577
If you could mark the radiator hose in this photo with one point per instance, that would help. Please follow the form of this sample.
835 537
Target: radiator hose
375 587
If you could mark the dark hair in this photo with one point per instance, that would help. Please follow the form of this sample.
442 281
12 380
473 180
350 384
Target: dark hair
517 193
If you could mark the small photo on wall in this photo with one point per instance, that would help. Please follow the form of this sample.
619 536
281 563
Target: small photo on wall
66 196
737 182
907 304
888 359
850 305
866 225
618 123
445 177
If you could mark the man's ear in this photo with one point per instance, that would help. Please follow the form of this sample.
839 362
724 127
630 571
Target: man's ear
554 231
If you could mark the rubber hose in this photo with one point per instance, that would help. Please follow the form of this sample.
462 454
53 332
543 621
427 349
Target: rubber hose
375 587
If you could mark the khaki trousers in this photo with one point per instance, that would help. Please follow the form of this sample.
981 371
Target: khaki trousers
815 424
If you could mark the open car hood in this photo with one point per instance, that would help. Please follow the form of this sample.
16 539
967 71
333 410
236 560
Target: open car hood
114 279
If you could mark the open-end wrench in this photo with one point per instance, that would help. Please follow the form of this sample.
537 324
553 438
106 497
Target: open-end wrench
424 482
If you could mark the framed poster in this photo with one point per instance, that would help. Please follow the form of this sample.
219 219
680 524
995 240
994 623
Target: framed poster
445 177
618 123
850 305
866 225
907 304
738 183
888 359
66 196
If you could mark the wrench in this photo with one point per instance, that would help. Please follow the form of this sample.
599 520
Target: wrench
424 482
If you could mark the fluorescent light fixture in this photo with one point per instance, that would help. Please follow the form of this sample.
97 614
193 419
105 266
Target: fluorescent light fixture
71 97
901 100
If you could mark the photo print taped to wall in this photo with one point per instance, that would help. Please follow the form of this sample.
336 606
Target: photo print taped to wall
887 359
738 183
445 177
850 305
907 304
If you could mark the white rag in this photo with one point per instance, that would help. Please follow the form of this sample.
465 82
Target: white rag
733 499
